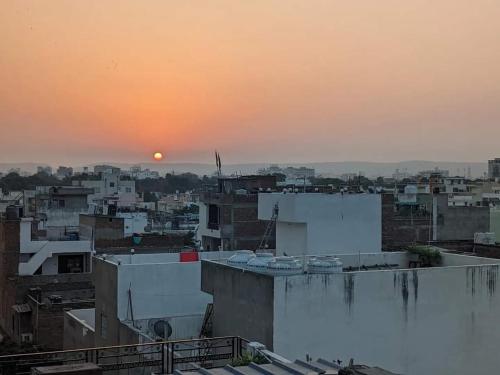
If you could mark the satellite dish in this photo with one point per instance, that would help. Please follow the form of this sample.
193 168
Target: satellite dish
161 328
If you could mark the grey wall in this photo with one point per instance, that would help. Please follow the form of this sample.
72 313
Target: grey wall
76 334
243 302
460 223
423 321
106 286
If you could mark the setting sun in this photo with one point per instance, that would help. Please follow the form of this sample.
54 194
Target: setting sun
158 156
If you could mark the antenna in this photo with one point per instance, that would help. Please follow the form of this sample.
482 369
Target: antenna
218 163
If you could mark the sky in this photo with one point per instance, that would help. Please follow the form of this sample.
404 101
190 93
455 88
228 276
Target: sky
84 81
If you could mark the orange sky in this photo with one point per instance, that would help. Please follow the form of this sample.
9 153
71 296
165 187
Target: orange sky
261 80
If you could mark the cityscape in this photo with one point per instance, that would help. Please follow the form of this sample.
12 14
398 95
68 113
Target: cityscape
249 188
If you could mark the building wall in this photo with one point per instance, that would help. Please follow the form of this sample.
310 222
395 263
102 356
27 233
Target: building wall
495 223
160 290
292 238
243 302
460 223
101 227
78 334
400 227
425 321
107 325
336 223
9 261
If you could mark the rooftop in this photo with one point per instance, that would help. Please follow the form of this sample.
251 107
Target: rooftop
267 264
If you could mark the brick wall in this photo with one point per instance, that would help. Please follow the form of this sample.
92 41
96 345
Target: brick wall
398 230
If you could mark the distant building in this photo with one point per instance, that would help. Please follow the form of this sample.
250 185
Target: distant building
228 215
400 175
291 173
109 189
172 202
324 223
427 320
64 172
57 209
44 169
494 168
141 174
436 172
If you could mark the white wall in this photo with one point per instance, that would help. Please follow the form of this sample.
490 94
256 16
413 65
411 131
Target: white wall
161 290
335 223
134 222
426 321
202 228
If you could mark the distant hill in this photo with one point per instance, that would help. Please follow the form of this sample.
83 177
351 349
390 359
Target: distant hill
370 169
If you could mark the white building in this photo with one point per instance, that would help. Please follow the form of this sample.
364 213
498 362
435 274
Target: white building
109 188
324 223
51 257
136 291
438 320
134 222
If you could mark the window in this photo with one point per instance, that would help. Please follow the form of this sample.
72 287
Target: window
111 184
213 217
70 263
62 203
128 190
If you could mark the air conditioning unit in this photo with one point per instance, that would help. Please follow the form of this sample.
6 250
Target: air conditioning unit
27 338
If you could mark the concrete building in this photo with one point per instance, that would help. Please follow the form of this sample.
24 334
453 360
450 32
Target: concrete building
291 173
38 281
140 297
44 169
79 329
64 172
228 215
109 189
101 227
437 320
494 168
457 222
324 223
138 173
57 209
172 202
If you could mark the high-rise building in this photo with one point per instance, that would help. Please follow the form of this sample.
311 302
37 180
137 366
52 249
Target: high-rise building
494 168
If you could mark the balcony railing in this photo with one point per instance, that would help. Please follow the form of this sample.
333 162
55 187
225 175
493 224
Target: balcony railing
160 357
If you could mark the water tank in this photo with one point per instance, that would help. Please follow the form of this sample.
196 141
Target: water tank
241 258
259 262
324 264
282 266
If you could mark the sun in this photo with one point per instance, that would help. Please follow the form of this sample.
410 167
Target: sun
158 156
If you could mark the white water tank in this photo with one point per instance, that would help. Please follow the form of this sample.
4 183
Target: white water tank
281 266
259 262
324 264
241 258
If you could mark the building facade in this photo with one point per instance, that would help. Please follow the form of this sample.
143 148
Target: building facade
324 223
437 320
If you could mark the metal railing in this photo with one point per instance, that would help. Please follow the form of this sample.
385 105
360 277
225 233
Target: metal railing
159 357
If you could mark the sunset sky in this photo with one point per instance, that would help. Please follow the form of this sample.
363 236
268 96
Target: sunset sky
259 80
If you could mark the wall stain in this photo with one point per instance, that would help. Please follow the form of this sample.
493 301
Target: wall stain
492 277
349 290
404 292
415 286
476 278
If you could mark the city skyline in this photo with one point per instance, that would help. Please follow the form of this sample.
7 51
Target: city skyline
260 81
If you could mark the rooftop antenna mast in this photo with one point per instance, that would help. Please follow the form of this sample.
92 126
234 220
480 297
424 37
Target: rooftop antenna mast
218 164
